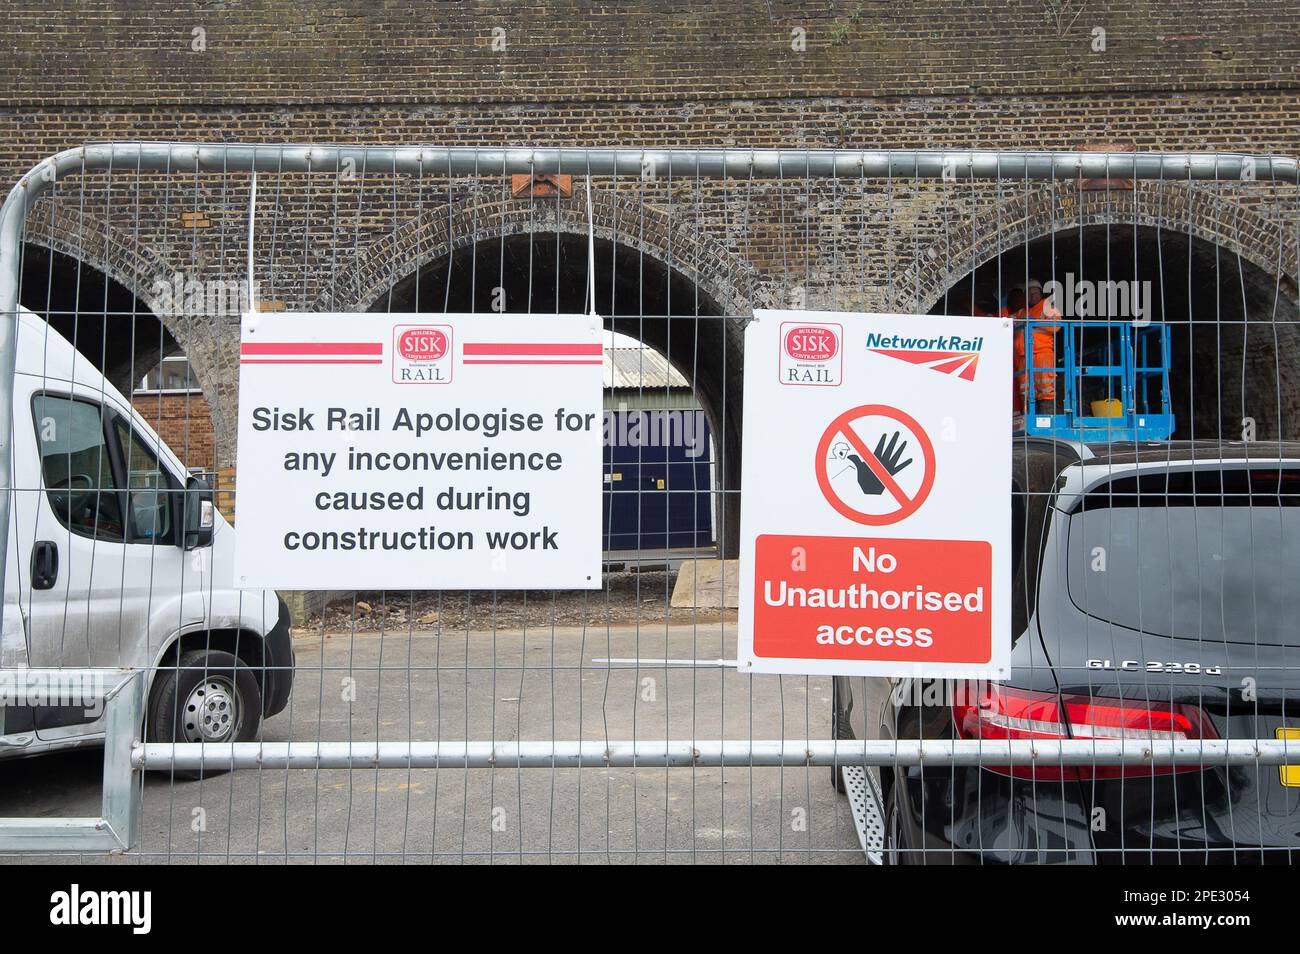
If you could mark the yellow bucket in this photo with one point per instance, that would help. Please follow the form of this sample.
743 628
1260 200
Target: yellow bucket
1110 407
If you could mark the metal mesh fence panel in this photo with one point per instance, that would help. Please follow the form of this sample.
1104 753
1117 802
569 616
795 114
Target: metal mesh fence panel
1155 479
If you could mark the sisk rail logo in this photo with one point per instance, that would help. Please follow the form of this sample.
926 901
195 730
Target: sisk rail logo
422 354
811 355
947 354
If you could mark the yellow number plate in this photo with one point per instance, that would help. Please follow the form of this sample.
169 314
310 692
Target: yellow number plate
1290 774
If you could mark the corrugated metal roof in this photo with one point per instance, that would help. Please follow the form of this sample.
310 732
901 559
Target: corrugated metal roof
640 368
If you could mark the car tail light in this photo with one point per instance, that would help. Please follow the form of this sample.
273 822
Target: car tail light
998 712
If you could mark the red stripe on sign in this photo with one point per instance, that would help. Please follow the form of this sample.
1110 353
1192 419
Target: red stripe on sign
311 361
311 347
533 347
528 361
920 357
948 367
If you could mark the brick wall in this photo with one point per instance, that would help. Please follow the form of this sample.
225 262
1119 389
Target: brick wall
184 424
70 52
984 74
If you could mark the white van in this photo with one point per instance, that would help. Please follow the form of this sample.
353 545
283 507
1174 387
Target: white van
118 558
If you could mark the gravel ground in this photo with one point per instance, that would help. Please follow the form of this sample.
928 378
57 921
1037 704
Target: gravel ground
627 598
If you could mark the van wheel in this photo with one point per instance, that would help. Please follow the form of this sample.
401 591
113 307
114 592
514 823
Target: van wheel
209 696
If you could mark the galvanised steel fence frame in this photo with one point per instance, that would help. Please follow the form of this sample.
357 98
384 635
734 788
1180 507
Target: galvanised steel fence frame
127 755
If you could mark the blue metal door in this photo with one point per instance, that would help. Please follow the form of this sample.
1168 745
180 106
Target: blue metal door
656 494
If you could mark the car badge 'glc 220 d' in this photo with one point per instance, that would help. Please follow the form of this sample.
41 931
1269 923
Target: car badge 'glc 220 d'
1137 665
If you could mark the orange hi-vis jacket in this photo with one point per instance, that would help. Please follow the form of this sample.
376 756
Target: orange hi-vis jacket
1044 347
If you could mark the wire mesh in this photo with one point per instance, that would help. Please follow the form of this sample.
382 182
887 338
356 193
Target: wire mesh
144 256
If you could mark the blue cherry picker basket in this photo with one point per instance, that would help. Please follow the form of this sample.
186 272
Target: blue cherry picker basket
1111 382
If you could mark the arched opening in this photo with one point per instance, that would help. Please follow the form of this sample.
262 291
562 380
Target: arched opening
127 342
679 343
101 317
1234 342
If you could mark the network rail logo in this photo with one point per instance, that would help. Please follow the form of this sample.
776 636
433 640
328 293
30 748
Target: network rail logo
947 354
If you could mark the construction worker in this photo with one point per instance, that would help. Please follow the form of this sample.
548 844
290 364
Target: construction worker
986 306
1015 308
1015 303
1037 308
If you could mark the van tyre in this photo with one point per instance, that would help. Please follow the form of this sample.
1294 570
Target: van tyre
209 696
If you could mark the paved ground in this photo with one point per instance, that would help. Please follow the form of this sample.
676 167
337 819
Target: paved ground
502 686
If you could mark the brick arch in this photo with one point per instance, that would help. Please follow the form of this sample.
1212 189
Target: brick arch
1182 208
727 279
1251 365
724 279
136 267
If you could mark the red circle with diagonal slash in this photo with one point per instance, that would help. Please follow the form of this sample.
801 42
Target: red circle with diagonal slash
907 505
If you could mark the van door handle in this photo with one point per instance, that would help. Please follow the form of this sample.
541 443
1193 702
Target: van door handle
45 564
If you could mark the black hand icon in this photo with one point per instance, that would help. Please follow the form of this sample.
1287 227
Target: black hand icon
889 459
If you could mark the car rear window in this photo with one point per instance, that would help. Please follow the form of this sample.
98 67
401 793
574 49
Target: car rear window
1203 554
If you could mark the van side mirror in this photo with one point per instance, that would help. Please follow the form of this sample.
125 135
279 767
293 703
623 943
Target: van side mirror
200 514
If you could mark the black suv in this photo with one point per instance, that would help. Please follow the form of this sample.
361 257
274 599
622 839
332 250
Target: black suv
1156 595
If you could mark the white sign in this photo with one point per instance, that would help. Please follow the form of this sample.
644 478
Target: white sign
381 451
875 516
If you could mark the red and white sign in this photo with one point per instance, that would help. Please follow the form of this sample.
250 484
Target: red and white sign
876 516
811 355
353 476
925 598
422 354
868 484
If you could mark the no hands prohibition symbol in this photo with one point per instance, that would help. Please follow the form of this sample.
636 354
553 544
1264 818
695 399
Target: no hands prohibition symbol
876 466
